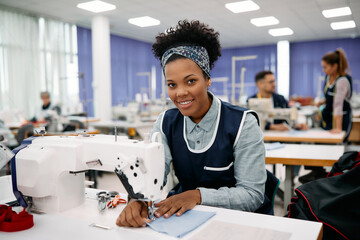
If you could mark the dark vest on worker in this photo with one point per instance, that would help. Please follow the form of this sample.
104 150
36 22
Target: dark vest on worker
327 112
213 166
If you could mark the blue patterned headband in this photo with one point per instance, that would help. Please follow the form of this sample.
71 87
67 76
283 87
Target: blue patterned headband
197 54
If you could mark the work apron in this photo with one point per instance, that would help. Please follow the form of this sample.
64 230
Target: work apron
328 118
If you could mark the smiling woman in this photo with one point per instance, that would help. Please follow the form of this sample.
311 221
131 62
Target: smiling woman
187 88
187 54
217 149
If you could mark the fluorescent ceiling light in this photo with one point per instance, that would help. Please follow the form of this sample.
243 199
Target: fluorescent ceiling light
264 21
144 21
337 12
276 32
342 25
96 6
243 6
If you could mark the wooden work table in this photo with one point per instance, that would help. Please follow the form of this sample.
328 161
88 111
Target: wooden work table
302 154
355 130
315 135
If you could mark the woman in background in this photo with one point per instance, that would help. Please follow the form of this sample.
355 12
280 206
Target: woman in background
336 113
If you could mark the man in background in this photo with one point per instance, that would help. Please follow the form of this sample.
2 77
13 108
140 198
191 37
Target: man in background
47 109
266 84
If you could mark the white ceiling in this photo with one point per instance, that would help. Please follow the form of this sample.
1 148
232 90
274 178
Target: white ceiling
304 17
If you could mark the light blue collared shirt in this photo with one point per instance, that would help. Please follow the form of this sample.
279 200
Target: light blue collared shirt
249 164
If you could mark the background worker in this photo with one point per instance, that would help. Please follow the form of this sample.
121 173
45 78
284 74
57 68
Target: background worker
266 84
47 109
336 113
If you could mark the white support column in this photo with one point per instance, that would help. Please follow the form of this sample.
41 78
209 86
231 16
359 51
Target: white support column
100 33
283 68
153 83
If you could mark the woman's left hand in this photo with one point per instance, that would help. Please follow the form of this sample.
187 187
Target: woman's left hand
335 130
178 203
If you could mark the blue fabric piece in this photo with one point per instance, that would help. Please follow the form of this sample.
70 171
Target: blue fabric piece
273 146
179 226
293 132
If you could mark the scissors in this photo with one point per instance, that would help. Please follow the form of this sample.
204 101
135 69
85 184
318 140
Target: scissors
114 202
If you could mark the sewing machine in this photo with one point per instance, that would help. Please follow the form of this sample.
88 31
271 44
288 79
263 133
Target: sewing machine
266 112
139 111
9 138
5 153
48 172
129 113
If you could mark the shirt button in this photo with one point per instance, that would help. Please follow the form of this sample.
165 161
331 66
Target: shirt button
197 126
198 142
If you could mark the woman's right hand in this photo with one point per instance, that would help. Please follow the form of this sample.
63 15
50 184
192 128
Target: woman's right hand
133 215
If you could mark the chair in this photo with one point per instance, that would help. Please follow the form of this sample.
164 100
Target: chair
271 186
73 125
24 132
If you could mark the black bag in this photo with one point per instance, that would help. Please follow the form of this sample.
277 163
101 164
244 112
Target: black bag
333 201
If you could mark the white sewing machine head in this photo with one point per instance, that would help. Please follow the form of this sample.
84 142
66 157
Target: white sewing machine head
266 111
51 169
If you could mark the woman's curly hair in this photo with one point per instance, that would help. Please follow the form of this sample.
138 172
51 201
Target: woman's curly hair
188 33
